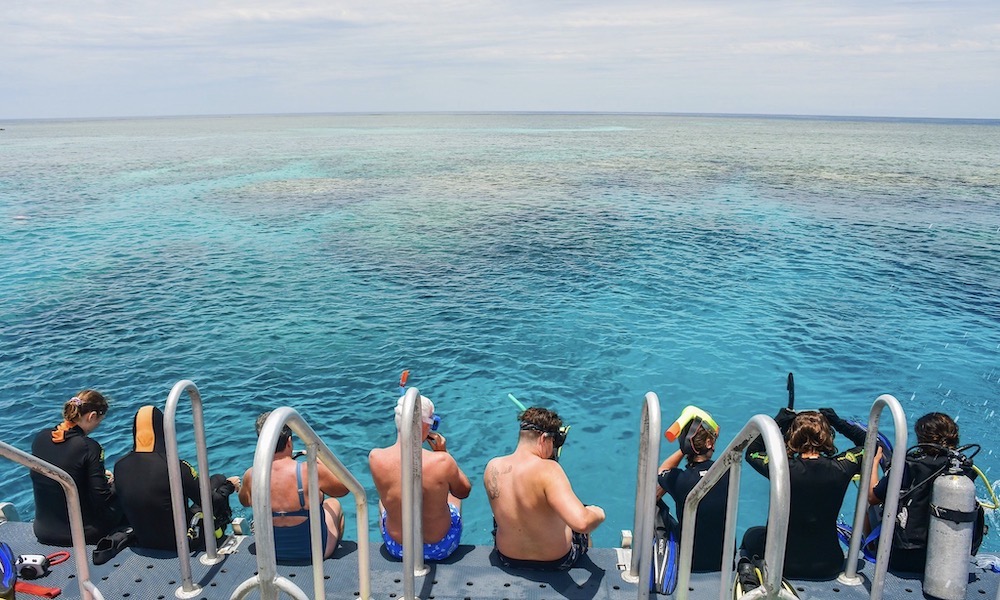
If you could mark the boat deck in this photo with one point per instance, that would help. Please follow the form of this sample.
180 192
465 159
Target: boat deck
471 573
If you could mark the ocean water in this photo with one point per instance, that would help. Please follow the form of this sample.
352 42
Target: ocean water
576 261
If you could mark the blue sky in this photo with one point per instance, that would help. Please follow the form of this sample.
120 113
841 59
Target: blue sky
65 58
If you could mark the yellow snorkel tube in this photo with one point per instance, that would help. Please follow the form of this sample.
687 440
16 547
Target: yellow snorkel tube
690 413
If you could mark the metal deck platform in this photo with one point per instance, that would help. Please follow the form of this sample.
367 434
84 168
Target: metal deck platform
471 573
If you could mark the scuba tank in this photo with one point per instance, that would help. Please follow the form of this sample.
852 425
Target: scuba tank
949 540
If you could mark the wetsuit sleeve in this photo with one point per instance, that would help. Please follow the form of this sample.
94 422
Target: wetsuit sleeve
102 496
850 460
756 456
189 482
852 431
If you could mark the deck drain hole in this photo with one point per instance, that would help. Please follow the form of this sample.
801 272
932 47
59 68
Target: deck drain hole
149 566
542 585
392 595
126 595
73 576
468 583
213 584
326 577
357 593
836 590
506 585
291 574
139 580
105 578
172 582
396 580
908 590
615 587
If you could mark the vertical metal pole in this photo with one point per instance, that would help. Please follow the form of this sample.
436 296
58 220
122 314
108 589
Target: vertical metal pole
850 574
645 495
411 423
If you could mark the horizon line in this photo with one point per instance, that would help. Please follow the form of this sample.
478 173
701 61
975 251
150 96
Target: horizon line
788 116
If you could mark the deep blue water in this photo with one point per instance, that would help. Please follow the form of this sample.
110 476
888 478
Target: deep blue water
576 261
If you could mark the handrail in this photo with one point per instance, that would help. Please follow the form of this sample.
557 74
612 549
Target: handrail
178 504
645 494
850 574
267 577
88 591
411 455
731 462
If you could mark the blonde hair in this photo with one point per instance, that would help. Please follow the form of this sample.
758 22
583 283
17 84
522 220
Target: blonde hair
84 402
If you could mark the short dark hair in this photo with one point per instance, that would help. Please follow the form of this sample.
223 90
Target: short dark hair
539 420
283 436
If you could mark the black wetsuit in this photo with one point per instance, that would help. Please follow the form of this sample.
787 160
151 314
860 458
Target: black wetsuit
909 540
83 459
817 488
143 484
711 521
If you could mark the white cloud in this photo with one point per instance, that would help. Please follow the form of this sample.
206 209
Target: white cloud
141 57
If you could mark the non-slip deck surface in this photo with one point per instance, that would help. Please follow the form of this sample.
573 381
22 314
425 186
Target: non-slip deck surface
470 574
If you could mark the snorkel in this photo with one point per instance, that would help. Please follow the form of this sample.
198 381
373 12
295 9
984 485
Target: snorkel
558 437
691 419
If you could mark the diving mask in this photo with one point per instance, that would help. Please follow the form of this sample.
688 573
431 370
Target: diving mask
691 419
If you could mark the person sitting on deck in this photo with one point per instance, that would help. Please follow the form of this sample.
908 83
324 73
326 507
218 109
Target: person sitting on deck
818 478
937 438
289 490
539 522
142 480
697 433
444 486
69 447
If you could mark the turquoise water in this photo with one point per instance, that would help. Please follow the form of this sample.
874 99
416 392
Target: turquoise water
576 261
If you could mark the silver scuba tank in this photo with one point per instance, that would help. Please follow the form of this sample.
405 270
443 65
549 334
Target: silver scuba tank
949 536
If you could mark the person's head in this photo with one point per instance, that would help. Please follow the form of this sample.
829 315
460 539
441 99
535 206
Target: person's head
426 408
698 440
542 424
86 409
696 431
284 437
809 433
938 429
147 430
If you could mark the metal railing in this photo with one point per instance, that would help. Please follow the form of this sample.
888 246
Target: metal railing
850 574
411 450
731 461
267 578
645 495
178 503
88 591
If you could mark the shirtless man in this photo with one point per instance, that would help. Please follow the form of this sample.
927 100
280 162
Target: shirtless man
289 491
444 485
540 523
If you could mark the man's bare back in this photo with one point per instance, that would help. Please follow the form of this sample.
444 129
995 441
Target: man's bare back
443 483
533 503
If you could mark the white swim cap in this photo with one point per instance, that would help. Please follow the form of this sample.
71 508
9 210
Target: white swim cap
426 409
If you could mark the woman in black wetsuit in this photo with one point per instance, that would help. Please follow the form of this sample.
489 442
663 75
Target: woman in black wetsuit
818 480
68 447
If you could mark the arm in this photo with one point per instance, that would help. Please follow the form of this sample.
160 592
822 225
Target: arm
851 431
189 482
668 465
458 484
244 496
559 493
101 493
328 482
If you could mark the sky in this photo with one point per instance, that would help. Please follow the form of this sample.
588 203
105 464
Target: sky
108 58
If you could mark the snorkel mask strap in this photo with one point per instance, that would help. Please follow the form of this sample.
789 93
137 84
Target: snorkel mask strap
696 418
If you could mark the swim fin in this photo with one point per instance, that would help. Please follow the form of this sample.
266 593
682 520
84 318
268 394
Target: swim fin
750 576
8 574
666 545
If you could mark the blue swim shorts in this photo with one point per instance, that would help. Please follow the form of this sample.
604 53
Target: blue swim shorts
438 550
